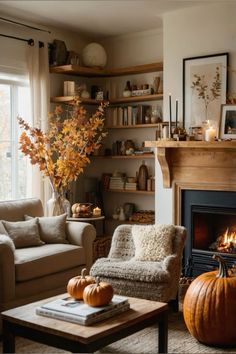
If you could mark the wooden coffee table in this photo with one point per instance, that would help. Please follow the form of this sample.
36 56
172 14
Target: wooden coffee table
23 321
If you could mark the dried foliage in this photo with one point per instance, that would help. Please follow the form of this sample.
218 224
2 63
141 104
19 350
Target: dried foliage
204 91
62 152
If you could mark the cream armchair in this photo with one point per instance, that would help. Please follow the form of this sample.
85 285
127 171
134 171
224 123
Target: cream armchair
148 279
32 273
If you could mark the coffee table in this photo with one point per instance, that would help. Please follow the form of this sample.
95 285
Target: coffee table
23 321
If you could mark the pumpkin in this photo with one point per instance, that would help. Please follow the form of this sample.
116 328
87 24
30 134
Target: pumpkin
76 285
75 208
209 307
99 294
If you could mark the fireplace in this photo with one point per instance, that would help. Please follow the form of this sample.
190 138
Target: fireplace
202 176
210 219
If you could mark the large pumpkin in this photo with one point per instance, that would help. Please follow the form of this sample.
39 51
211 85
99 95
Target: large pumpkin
76 285
99 294
209 307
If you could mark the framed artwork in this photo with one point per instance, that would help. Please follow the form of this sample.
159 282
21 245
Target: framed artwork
228 122
204 89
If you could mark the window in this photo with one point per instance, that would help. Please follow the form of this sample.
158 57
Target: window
15 171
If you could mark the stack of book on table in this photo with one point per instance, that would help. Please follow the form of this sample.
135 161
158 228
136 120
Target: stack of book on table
116 183
71 310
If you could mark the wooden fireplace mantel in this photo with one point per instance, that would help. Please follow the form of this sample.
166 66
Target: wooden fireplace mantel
196 162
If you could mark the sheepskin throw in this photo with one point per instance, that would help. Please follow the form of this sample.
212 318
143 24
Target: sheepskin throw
153 242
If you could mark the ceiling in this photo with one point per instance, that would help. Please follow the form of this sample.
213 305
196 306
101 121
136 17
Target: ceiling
96 18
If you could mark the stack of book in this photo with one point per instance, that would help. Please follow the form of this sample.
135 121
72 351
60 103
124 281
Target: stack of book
116 183
131 186
75 311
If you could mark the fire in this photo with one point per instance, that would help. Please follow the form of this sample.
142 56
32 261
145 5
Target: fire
227 242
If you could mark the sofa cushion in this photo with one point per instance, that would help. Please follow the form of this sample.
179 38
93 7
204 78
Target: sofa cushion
132 270
52 229
153 242
23 233
36 262
2 229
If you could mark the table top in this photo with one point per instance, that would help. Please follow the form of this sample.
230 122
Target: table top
140 310
93 218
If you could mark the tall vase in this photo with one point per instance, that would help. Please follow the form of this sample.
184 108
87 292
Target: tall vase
55 205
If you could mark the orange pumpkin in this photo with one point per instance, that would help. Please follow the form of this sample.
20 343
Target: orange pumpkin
76 285
209 307
99 294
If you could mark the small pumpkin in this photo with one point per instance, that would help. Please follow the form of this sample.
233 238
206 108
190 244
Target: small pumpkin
99 294
75 208
76 285
209 306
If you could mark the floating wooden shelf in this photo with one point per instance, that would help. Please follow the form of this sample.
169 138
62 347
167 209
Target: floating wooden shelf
124 157
154 97
130 191
192 144
69 99
91 101
132 126
93 72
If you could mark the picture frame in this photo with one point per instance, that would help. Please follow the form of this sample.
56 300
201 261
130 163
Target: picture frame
204 69
228 122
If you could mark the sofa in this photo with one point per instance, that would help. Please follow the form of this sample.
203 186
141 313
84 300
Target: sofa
41 268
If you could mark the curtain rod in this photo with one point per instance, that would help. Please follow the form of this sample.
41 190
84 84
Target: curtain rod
23 24
29 41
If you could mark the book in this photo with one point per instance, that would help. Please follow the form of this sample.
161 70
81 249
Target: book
76 311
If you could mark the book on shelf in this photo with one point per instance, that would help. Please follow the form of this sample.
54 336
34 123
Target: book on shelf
71 310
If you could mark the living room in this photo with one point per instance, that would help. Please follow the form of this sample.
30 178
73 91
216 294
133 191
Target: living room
180 32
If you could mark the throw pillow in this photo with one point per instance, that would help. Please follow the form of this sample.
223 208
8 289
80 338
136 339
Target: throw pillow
2 229
52 229
6 239
153 242
23 233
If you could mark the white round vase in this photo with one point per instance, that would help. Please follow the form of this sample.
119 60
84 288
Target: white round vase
94 55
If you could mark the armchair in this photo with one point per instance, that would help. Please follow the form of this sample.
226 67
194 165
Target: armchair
153 280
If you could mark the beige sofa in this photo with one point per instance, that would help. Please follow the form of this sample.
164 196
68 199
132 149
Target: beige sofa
32 273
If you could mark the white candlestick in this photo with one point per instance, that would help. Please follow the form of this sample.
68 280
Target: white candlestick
97 212
210 134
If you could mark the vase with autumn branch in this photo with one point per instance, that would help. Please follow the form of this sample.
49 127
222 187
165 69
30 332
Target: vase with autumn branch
63 151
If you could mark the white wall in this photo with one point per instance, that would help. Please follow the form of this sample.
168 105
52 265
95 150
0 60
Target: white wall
187 33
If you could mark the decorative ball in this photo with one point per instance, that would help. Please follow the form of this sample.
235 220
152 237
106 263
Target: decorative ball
94 55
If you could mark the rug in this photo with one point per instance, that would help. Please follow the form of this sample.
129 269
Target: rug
143 342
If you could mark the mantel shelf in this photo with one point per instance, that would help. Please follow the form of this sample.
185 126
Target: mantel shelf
192 144
181 156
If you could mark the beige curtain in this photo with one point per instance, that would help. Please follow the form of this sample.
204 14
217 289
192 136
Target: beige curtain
39 85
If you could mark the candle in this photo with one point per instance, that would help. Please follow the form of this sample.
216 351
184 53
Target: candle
210 134
97 211
170 116
176 113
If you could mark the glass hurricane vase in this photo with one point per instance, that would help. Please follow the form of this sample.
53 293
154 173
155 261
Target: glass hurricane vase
58 205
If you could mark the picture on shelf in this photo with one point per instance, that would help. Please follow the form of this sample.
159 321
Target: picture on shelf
204 88
228 122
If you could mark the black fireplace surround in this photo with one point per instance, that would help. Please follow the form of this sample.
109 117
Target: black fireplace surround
206 215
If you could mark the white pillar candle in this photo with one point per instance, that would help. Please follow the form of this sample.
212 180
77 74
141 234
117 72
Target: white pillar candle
97 212
210 134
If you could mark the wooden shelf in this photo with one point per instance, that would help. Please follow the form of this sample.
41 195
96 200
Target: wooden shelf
154 97
132 126
124 157
119 222
68 99
130 191
93 72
